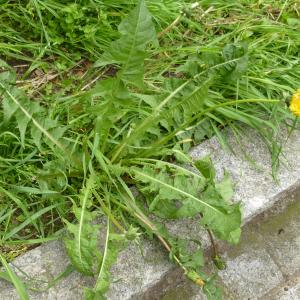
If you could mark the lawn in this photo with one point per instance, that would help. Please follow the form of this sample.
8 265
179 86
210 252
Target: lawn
101 102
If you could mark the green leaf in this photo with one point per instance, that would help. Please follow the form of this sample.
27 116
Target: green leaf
164 187
234 236
219 262
224 188
194 260
5 276
9 109
82 248
114 243
27 112
137 31
293 21
206 168
19 285
23 120
211 291
90 294
237 58
176 193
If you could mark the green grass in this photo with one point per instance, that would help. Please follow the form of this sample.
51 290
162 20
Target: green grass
83 120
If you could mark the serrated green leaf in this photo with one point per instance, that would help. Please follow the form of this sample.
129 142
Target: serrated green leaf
23 120
90 294
181 196
212 291
25 106
195 260
137 30
9 109
206 168
36 135
82 248
234 236
114 243
165 190
224 224
224 187
237 58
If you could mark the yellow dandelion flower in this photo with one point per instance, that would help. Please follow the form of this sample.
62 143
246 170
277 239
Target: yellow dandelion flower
295 104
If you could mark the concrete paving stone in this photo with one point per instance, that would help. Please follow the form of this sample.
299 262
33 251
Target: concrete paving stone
250 275
135 272
189 228
189 291
291 294
282 237
250 272
42 265
288 291
185 292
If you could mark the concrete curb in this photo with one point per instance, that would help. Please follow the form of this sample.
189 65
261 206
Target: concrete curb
134 273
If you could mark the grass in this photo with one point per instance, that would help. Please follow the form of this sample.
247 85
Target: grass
75 138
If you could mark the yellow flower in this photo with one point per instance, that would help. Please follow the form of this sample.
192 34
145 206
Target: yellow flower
295 104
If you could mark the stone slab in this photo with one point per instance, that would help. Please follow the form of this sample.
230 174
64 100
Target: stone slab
292 293
284 245
252 273
288 292
133 275
42 265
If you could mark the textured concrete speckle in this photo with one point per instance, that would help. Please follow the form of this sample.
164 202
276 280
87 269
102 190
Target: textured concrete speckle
284 245
251 274
42 265
135 272
292 293
289 290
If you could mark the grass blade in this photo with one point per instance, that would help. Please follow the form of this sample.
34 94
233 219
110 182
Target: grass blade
15 280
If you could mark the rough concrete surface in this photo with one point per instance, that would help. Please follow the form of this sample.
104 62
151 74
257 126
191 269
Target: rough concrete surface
290 291
134 274
253 272
286 243
42 265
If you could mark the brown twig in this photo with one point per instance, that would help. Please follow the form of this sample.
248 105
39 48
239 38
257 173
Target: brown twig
214 245
168 28
178 19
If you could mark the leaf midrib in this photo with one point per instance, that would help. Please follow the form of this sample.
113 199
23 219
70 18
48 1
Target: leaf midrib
180 191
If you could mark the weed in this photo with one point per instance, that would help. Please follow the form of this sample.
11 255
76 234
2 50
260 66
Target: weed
101 100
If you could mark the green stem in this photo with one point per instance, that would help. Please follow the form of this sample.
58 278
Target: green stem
108 213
